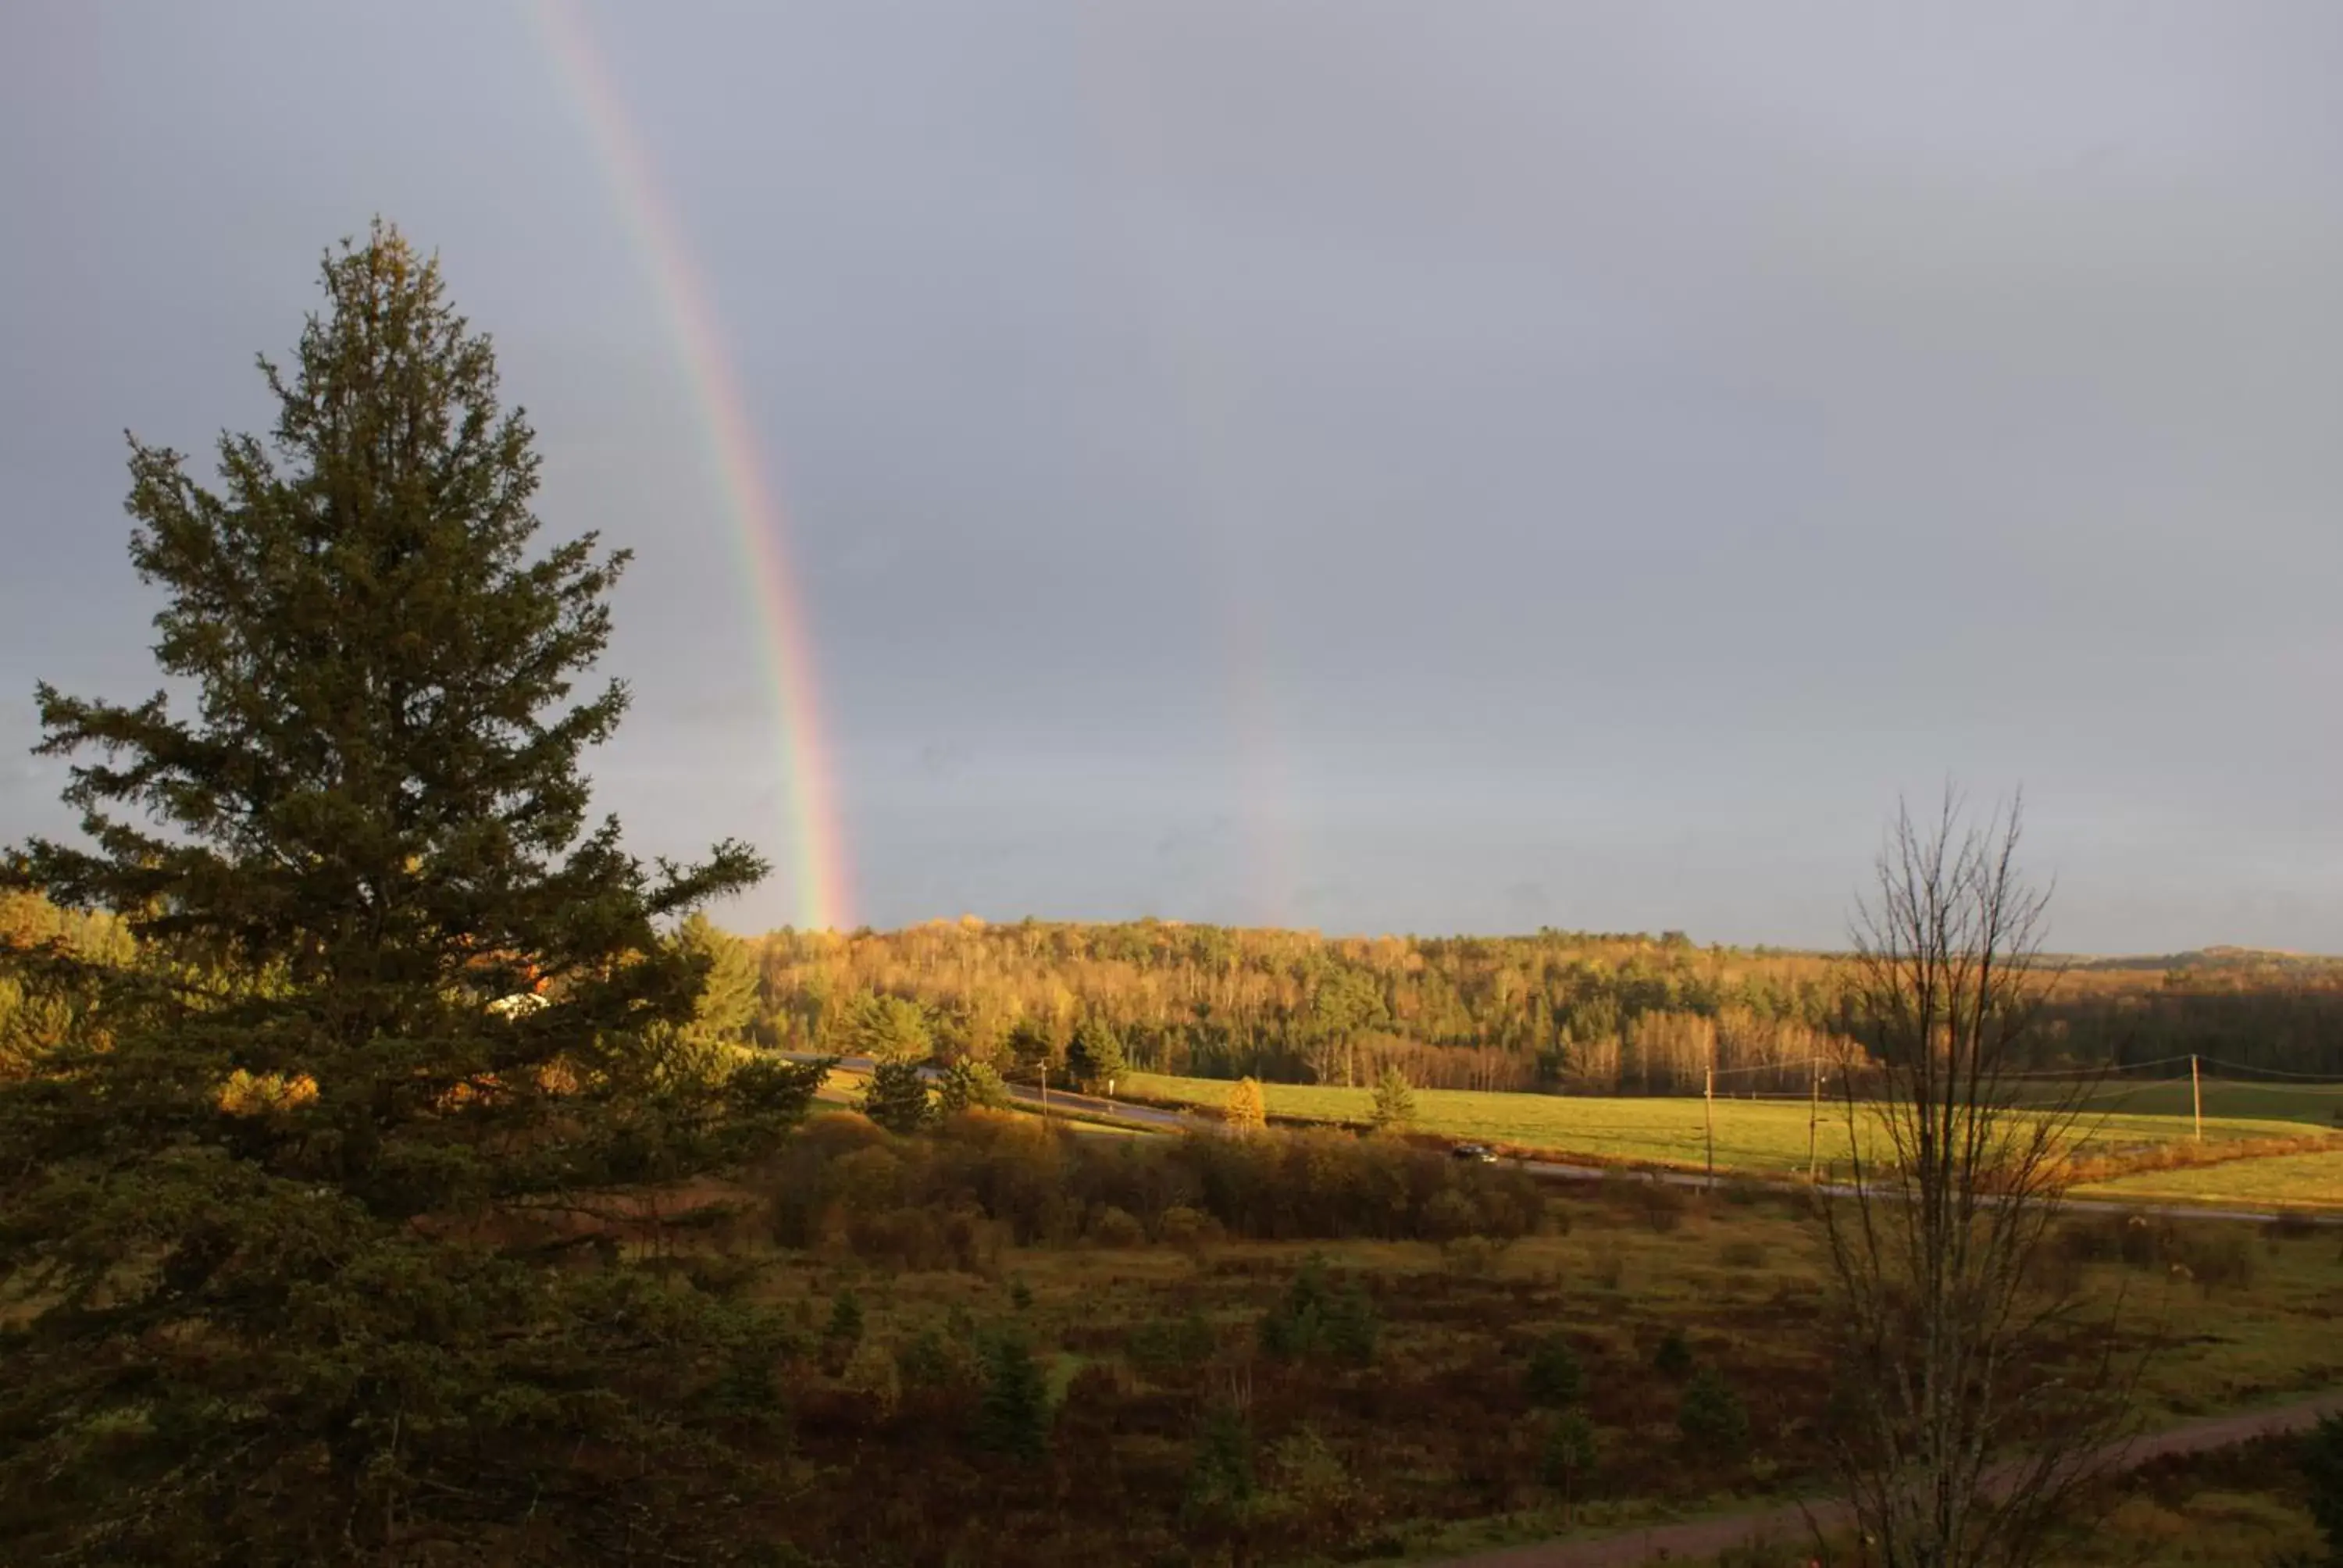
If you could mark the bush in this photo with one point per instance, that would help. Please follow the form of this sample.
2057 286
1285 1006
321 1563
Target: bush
1394 1102
1743 1191
1554 1376
1186 1229
971 1085
915 1202
1012 1418
897 1097
1449 1215
1220 1485
1673 1358
932 1362
1473 1256
1712 1417
1170 1345
1246 1109
2292 1225
1568 1454
1313 1491
1318 1320
1113 1227
872 1373
844 1333
2322 1468
1662 1205
1741 1253
1609 1268
2223 1260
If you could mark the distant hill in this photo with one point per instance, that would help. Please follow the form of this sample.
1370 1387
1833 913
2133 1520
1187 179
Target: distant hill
2215 958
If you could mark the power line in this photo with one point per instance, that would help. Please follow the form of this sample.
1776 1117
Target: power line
2272 1071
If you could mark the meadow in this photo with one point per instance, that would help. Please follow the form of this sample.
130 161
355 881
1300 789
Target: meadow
2228 1099
2311 1180
1759 1137
1158 1343
2227 1508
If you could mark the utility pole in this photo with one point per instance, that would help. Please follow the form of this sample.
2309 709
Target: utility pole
1045 1088
1708 1117
1813 1114
2196 1097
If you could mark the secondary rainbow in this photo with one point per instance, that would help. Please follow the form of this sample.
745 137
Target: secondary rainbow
817 850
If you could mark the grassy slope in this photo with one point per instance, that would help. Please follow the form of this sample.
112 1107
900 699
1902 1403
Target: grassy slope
2318 1104
1452 1342
2306 1180
1765 1136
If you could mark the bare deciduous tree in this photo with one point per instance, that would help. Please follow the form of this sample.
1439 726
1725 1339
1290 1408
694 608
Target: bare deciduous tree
1979 1391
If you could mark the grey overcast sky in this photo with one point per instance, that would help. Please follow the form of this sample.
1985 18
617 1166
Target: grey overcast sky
1435 466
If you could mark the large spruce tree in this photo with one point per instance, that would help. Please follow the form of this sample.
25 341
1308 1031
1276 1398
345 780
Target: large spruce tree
272 1265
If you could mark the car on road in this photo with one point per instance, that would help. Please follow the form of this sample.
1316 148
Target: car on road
1479 1153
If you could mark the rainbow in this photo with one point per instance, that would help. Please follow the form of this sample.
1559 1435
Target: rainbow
818 858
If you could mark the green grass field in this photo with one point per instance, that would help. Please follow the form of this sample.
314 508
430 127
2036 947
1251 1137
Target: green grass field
1766 1136
2312 1180
2318 1104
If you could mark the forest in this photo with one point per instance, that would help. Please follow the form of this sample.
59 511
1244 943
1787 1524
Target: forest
1559 1011
1576 1013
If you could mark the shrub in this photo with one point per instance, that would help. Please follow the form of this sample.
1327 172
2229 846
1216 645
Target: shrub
1712 1417
846 1184
1662 1205
1449 1215
1094 1057
1315 1318
2322 1468
1743 1191
1609 1268
1673 1358
1394 1102
2292 1225
1167 1345
1246 1109
971 1085
1313 1488
1473 1256
897 1097
872 1373
1012 1418
1554 1375
1113 1227
844 1332
2224 1259
1185 1228
1220 1485
1741 1253
1568 1454
927 1363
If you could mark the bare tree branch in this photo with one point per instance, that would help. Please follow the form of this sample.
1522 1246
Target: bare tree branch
1964 1424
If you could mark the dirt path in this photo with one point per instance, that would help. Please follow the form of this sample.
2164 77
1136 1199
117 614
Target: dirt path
1707 1537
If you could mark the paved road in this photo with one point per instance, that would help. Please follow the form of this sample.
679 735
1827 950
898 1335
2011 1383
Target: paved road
1707 1537
1560 1170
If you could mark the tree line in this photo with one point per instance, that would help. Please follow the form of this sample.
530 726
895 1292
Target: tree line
1560 1011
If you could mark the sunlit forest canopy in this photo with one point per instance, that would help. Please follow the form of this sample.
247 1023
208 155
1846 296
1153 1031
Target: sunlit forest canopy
1577 1012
